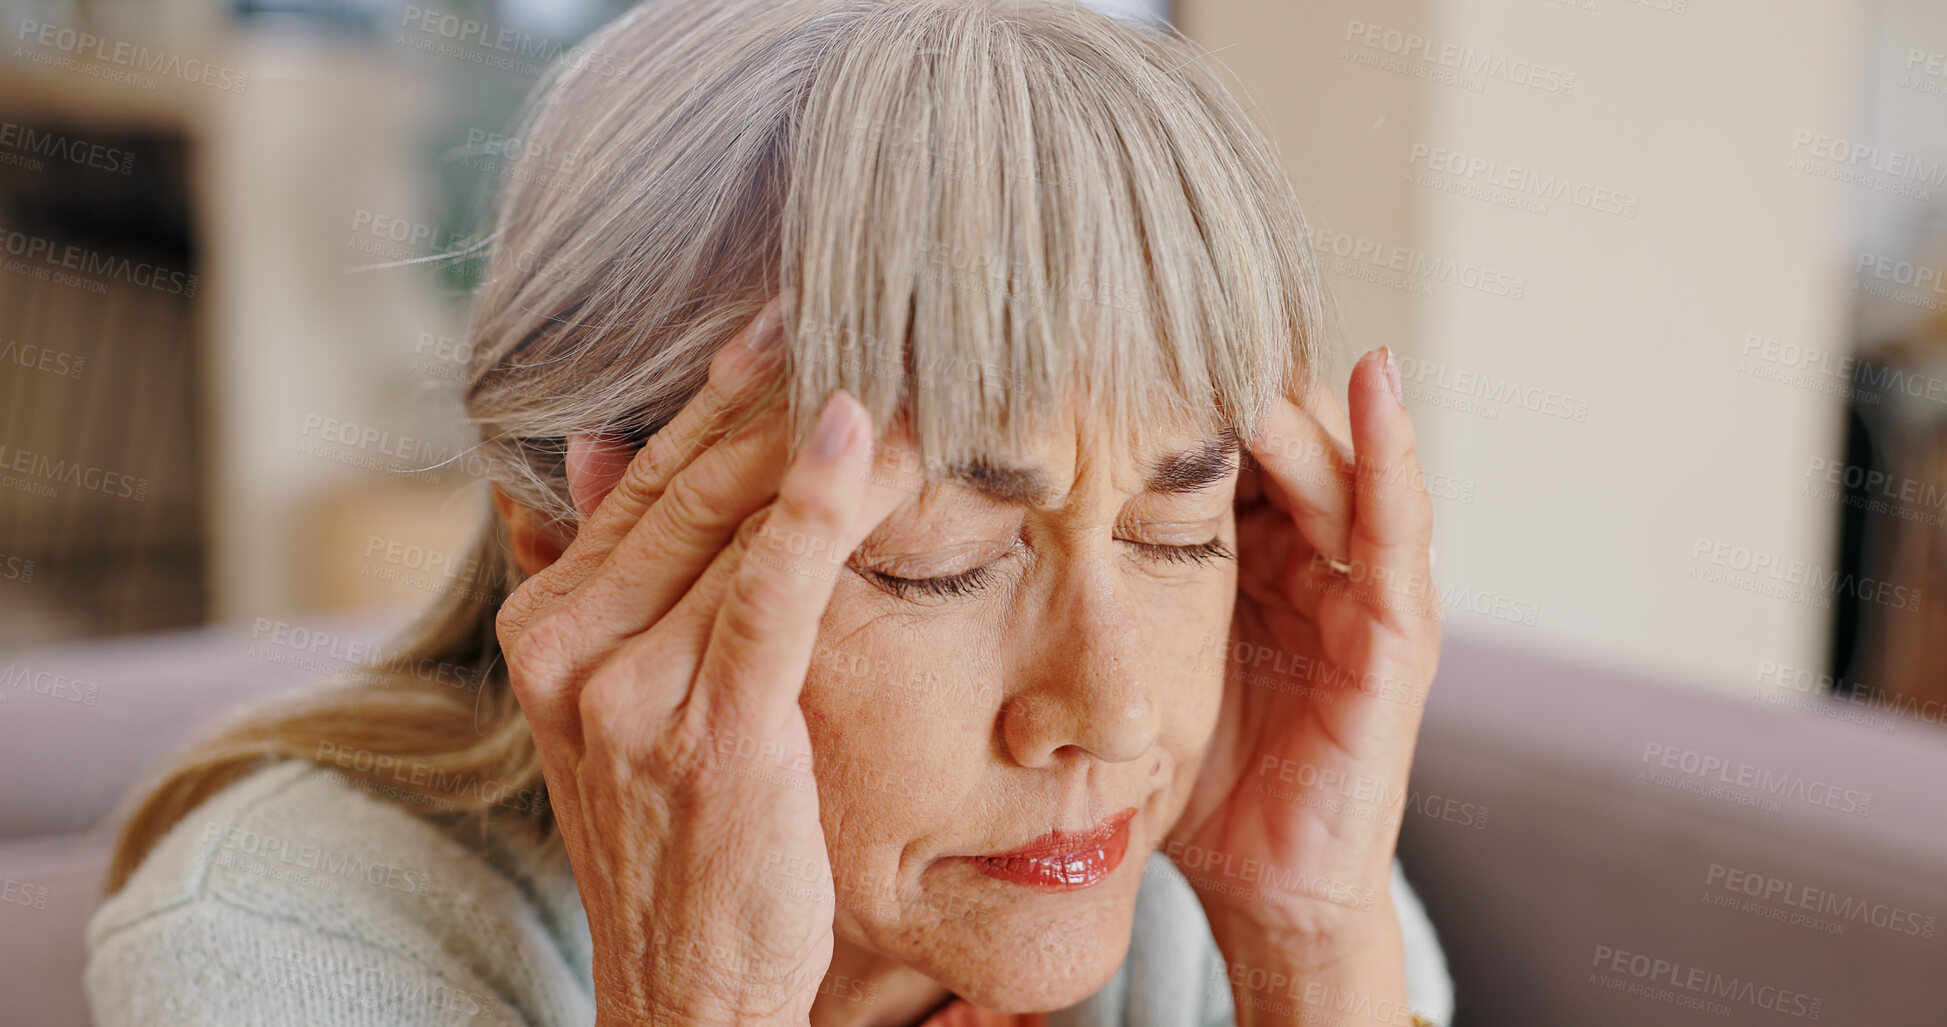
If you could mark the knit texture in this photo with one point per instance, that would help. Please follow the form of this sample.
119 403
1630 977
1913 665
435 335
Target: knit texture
294 896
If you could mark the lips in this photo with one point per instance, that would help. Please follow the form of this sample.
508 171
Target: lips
1062 860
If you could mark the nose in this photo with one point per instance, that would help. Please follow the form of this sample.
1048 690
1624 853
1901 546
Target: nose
1085 687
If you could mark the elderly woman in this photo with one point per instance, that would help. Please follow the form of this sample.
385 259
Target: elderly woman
923 585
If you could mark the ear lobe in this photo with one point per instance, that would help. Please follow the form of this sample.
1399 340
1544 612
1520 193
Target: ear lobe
594 467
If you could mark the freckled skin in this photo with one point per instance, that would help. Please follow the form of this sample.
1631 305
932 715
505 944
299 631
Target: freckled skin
1077 682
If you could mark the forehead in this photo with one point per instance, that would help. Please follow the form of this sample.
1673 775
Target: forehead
1041 474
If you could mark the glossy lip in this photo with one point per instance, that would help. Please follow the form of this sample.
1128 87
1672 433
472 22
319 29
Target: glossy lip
1062 860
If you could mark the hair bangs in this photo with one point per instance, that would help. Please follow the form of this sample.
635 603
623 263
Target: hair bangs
994 213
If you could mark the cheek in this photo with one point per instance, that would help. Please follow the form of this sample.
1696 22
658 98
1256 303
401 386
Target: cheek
1190 629
898 710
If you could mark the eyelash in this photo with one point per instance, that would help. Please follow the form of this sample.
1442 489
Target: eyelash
971 581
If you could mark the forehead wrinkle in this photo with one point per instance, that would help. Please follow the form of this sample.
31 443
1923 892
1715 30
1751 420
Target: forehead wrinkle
1190 470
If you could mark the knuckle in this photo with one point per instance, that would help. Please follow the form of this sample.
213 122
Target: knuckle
749 629
757 603
603 707
725 368
688 502
818 505
662 459
540 657
754 528
522 606
536 597
642 479
703 420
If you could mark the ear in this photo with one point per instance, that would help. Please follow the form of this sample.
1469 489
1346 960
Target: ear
595 465
535 547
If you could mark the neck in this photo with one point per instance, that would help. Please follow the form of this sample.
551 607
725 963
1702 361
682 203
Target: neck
863 989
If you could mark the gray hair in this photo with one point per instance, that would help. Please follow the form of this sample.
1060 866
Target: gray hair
981 209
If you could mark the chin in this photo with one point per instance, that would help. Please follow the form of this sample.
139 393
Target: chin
1032 959
1040 980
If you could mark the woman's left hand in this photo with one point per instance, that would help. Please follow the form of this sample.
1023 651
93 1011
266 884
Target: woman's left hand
1290 831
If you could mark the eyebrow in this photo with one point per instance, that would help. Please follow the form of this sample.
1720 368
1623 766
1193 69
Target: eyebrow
1193 469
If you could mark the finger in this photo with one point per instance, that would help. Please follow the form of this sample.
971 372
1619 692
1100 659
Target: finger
699 514
1325 408
1281 570
672 650
736 372
762 639
663 554
652 629
1307 473
1316 401
1392 521
566 640
683 632
543 639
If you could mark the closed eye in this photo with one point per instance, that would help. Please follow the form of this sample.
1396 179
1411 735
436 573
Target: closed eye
963 583
1201 552
971 581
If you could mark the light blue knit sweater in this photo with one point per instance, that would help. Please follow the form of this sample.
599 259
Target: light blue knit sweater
294 897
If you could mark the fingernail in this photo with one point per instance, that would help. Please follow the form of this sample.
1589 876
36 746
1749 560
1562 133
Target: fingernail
769 329
1392 376
834 428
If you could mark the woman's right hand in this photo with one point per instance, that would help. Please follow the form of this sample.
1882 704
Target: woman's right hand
659 661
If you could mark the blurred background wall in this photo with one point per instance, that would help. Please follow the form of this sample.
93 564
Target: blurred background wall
1614 176
1641 257
302 446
